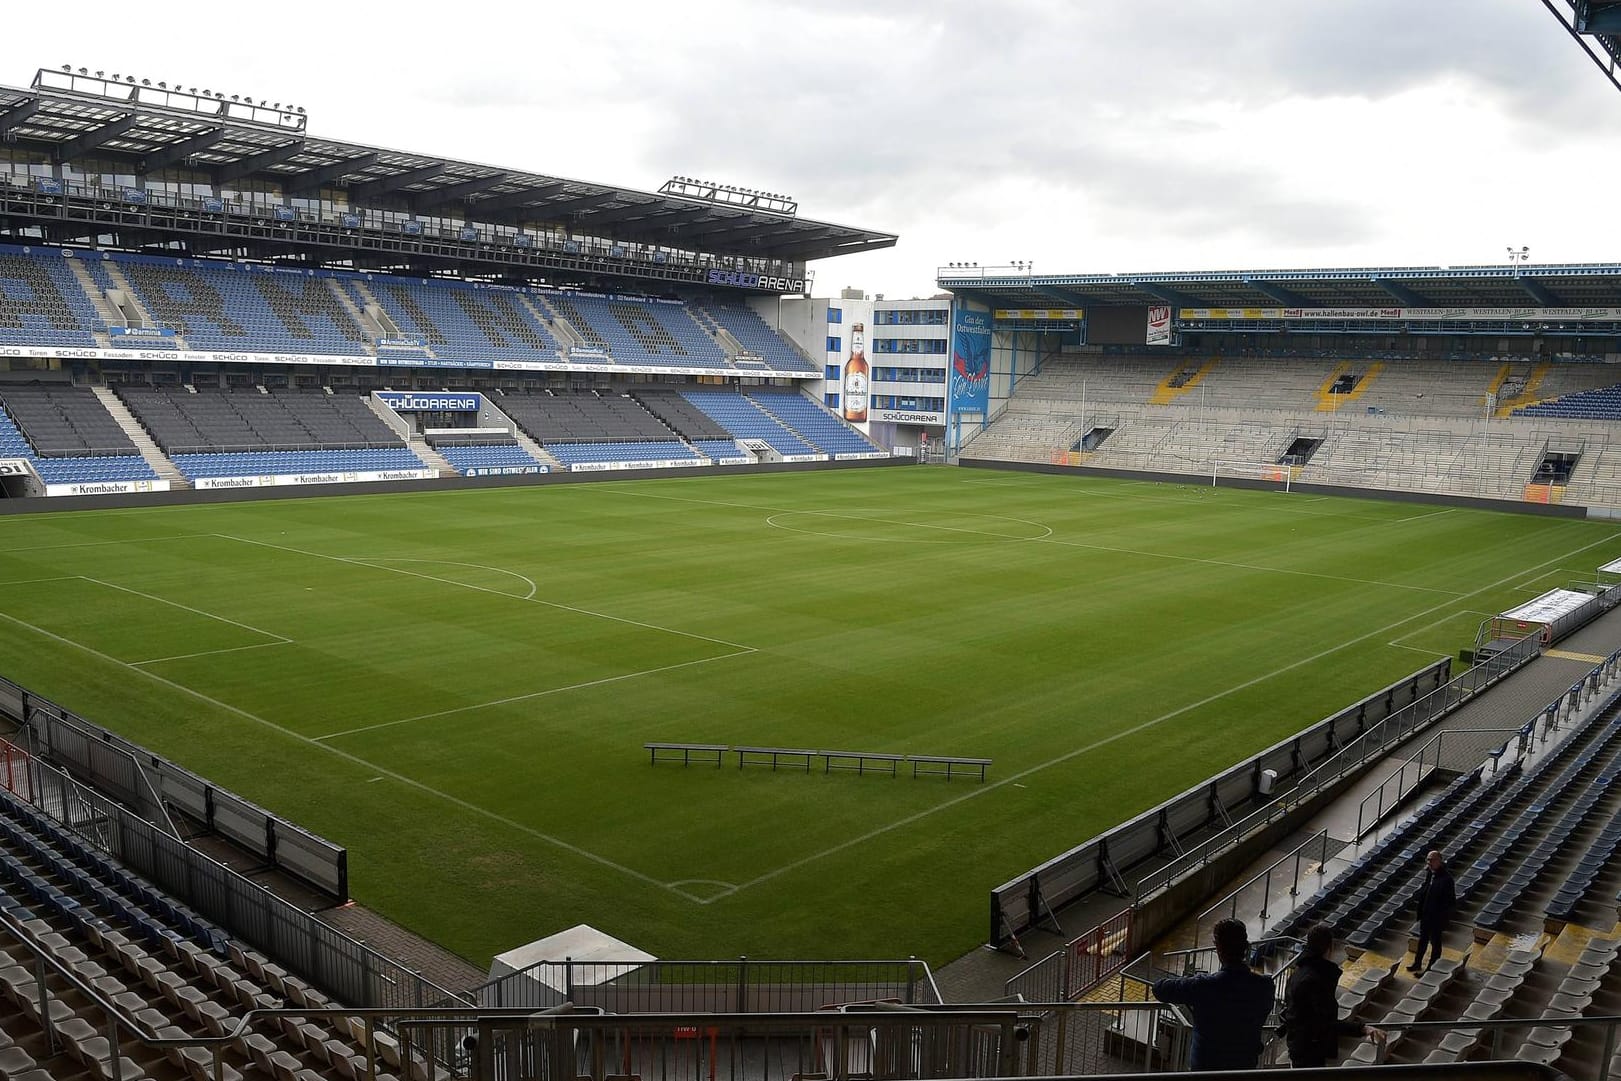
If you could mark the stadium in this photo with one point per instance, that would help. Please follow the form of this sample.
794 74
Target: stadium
459 622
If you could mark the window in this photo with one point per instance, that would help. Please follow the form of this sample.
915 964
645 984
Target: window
832 400
835 315
835 344
833 372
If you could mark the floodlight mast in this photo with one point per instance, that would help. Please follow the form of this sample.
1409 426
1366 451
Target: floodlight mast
128 90
730 195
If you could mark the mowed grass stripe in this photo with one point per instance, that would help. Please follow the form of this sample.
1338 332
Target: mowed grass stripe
984 642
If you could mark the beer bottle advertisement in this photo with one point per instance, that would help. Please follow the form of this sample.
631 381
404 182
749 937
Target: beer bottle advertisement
854 390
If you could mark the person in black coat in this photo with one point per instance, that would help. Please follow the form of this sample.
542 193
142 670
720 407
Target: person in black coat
1229 1007
1311 1010
1436 899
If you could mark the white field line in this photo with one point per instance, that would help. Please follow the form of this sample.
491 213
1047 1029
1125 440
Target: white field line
993 786
96 544
484 589
534 694
1397 641
212 652
1047 539
456 801
39 581
524 578
279 639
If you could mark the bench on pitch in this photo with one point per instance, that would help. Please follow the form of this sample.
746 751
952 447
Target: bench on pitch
944 765
794 755
687 751
862 761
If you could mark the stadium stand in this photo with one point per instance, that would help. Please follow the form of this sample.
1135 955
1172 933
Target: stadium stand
640 332
1601 404
215 433
461 322
812 422
69 438
41 303
745 420
231 307
479 451
755 335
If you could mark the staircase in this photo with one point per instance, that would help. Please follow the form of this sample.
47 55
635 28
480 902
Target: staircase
155 458
529 446
561 328
135 304
98 300
413 438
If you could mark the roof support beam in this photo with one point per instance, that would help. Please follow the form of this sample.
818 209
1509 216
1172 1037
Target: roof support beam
1539 292
175 153
1063 296
1287 297
16 115
73 148
455 193
624 213
1408 297
559 210
369 189
316 178
1174 297
516 200
236 170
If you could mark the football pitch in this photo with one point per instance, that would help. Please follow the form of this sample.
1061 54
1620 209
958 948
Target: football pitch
457 685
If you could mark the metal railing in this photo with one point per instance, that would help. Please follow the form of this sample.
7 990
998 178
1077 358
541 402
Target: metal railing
1378 738
1285 870
1084 962
341 966
740 986
1412 773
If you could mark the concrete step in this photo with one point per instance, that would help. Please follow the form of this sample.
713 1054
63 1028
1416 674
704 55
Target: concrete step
160 463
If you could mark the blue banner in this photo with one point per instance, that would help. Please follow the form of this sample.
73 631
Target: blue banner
141 332
970 375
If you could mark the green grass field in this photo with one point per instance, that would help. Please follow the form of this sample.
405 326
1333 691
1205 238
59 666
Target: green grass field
457 686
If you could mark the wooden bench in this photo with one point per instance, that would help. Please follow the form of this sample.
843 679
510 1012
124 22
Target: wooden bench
932 763
686 750
861 761
775 753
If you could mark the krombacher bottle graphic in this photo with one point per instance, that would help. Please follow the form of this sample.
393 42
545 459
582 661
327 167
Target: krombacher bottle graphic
854 391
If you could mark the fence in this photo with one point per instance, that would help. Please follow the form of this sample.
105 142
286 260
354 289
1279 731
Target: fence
1084 962
144 781
326 957
1309 858
740 986
1434 755
1029 899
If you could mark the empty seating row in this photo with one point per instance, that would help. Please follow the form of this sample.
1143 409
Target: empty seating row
583 418
641 332
209 421
745 420
574 454
1606 754
1601 404
42 304
62 421
682 417
1580 883
79 470
465 456
293 462
755 335
812 422
461 322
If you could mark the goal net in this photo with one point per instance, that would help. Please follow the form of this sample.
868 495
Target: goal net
1282 475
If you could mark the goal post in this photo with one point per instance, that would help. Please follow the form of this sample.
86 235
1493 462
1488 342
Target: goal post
1275 472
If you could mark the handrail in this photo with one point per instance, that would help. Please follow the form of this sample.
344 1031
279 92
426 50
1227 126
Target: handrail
1320 838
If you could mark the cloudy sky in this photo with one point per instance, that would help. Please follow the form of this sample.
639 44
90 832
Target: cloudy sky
1082 135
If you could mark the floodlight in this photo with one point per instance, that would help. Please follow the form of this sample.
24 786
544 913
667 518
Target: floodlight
84 71
162 85
68 68
116 76
131 80
101 74
146 82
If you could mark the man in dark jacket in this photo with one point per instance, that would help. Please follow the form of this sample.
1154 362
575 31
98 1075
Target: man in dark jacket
1436 900
1311 1009
1229 1007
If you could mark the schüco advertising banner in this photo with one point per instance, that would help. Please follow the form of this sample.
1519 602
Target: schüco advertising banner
970 375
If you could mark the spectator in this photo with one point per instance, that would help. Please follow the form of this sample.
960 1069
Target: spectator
1311 1010
1229 1006
1436 899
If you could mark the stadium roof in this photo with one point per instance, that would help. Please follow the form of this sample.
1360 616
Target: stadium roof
234 143
1600 20
1511 285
